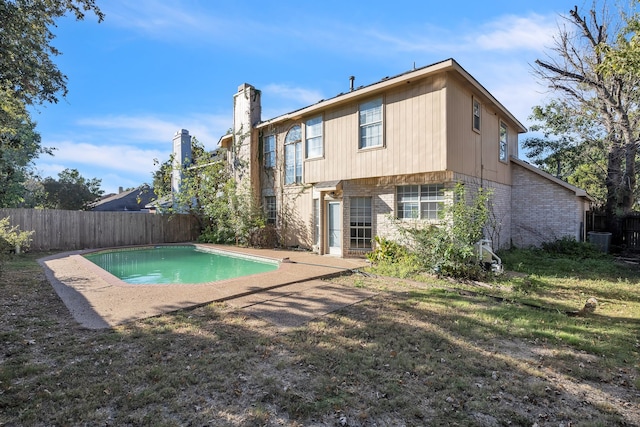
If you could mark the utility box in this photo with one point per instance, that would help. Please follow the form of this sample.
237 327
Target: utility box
600 239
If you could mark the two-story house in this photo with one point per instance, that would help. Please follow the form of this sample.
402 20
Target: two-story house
334 174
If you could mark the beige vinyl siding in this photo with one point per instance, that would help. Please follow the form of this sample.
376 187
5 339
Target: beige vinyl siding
413 126
472 153
296 204
464 144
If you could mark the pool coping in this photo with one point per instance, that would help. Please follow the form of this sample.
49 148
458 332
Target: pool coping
98 299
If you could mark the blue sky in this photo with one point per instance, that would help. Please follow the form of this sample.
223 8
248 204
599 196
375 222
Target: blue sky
156 66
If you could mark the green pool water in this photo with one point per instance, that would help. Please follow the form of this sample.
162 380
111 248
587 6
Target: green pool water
176 265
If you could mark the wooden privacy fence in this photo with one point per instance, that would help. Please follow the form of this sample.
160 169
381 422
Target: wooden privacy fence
70 230
631 231
629 236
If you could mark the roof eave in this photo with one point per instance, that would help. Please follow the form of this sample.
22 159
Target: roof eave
446 65
579 192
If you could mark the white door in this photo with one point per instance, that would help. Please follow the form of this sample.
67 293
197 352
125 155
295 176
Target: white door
334 229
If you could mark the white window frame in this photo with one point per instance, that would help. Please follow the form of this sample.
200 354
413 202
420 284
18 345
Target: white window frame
269 150
293 156
503 142
476 115
313 133
370 119
424 202
360 223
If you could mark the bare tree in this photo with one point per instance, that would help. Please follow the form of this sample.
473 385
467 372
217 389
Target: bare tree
576 70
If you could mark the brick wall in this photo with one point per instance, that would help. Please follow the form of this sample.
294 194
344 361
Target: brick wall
498 229
542 210
384 210
382 200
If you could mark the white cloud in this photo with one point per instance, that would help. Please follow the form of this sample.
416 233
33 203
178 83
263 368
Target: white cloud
120 150
300 95
157 17
188 21
208 128
121 158
141 128
534 32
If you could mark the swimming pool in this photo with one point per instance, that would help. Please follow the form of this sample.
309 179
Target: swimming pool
176 265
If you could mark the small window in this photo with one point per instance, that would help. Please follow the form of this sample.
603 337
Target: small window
270 209
360 223
293 156
371 123
270 151
476 115
420 201
504 142
313 137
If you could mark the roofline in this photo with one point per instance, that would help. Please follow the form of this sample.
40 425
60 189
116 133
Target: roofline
578 191
224 137
386 83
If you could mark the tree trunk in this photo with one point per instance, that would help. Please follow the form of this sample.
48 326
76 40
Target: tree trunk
614 178
630 177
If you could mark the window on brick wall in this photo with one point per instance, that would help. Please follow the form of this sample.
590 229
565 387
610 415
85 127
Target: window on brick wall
270 209
420 201
360 222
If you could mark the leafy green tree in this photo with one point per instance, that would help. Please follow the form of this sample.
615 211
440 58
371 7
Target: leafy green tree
27 70
34 193
624 56
209 192
28 75
19 146
162 177
608 96
571 147
71 191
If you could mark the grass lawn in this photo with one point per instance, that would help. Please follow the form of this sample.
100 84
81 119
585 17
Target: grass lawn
421 352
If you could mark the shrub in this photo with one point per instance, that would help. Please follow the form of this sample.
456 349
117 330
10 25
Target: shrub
218 234
12 238
448 248
389 258
386 251
265 236
570 247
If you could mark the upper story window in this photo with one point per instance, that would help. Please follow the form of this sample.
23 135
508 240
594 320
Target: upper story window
371 123
293 156
476 115
504 142
313 137
420 201
270 151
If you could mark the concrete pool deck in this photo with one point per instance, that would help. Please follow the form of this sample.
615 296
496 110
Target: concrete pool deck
288 296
